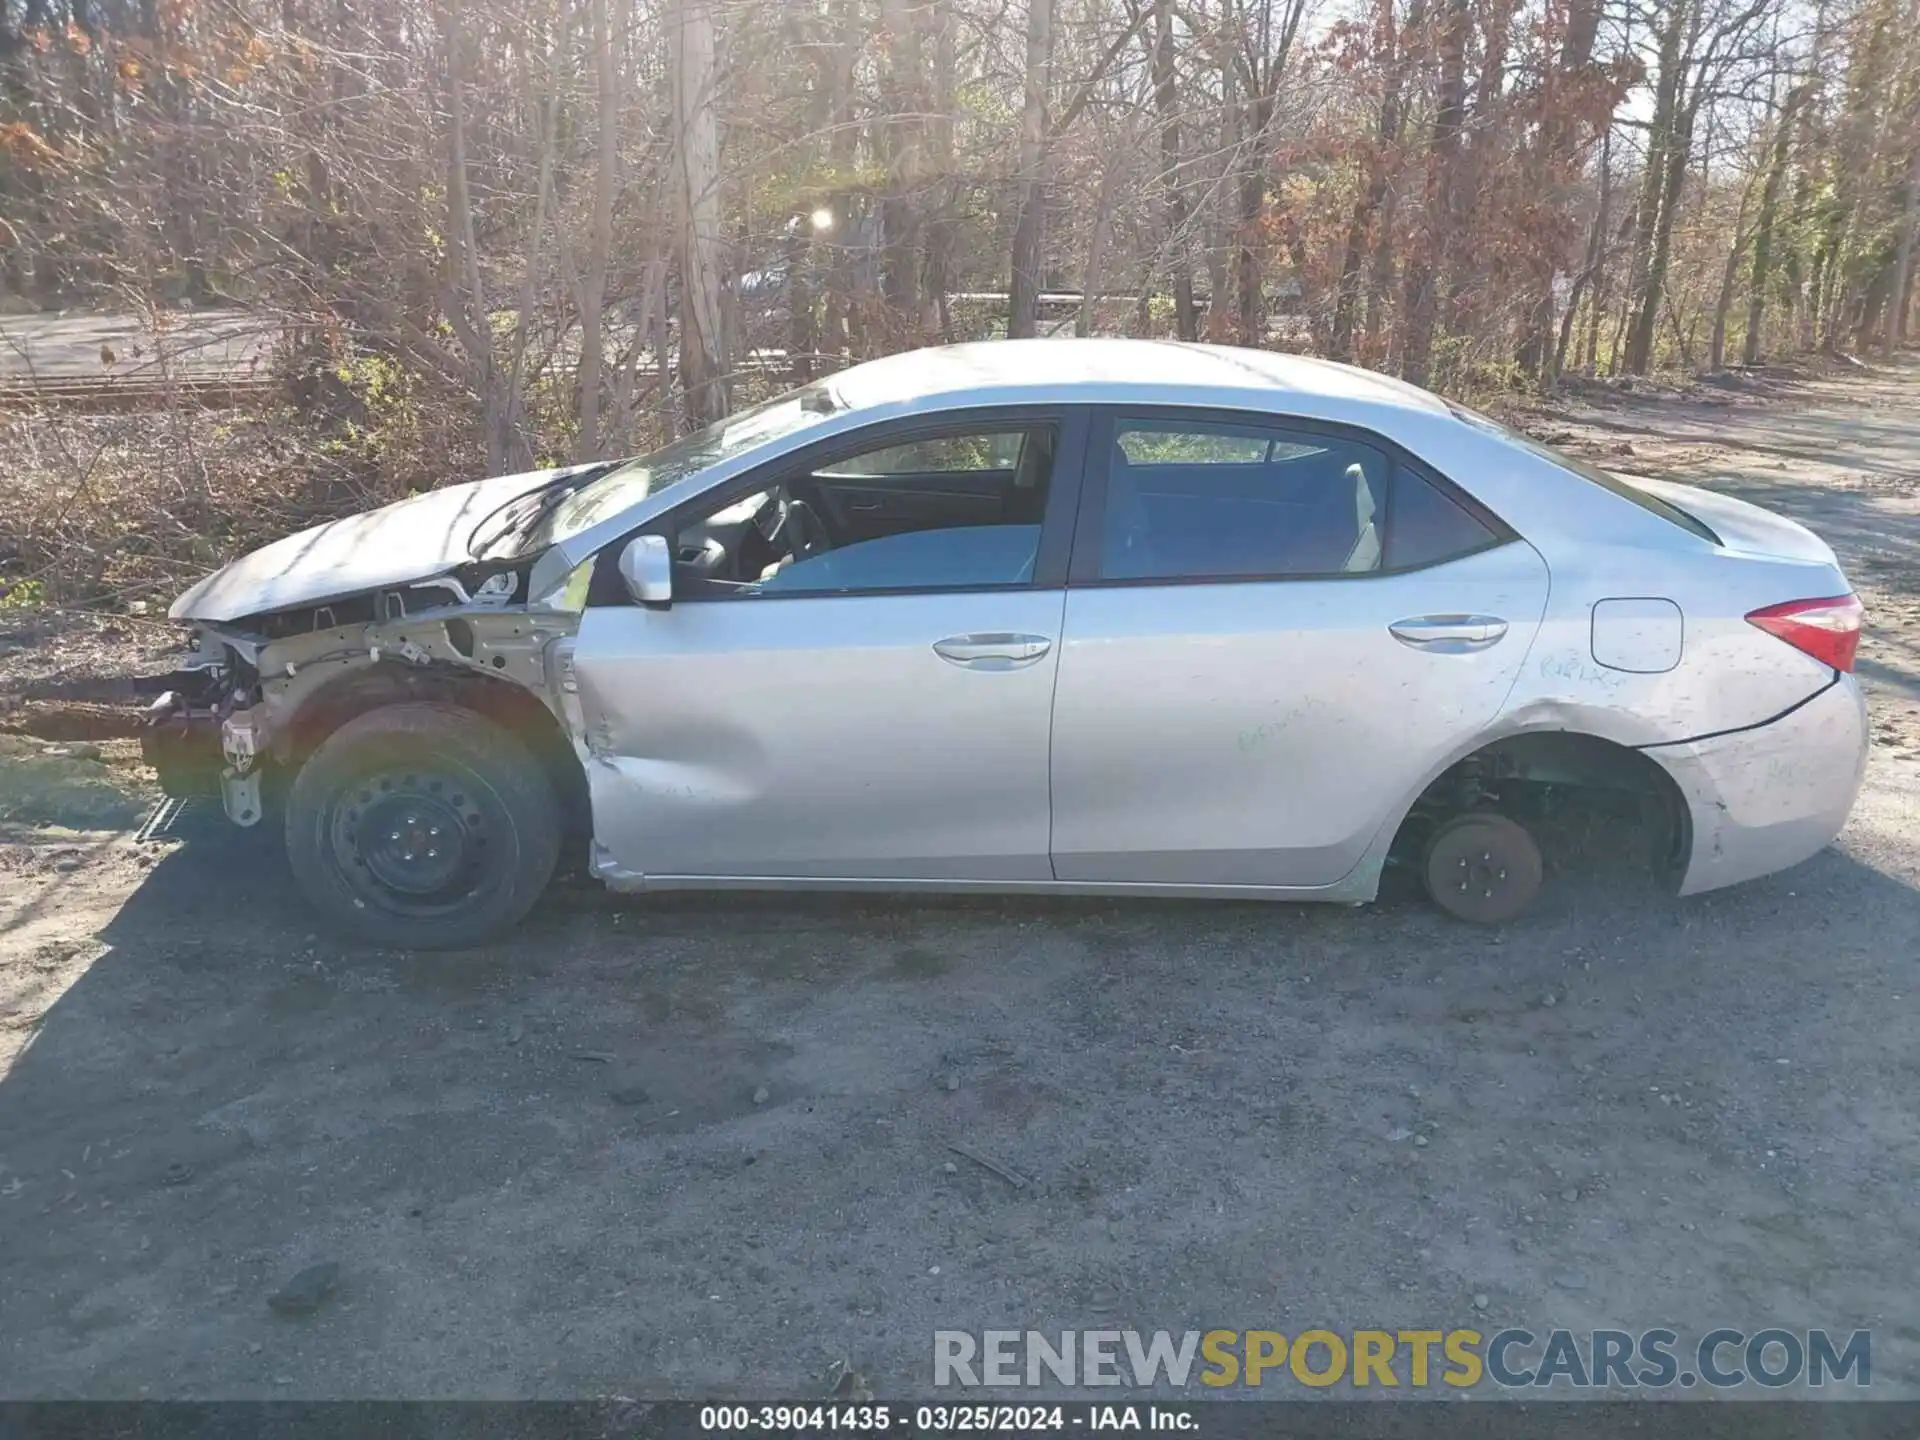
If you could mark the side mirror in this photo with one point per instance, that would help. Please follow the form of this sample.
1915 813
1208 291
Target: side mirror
647 567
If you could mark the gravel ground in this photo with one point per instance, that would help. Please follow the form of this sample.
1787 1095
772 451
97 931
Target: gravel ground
701 1146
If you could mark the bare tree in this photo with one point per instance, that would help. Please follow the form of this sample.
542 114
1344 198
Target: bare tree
703 345
1023 288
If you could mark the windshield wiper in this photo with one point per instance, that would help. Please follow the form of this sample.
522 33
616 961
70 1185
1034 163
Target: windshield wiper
519 516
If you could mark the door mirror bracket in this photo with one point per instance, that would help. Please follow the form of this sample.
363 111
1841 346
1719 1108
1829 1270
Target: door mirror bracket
647 567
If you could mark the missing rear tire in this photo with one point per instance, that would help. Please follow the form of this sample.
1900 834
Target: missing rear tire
1482 868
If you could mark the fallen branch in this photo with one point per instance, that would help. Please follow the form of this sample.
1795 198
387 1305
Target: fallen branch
1005 1172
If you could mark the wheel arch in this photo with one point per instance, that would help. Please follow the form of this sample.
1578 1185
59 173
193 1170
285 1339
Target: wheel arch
1572 757
512 707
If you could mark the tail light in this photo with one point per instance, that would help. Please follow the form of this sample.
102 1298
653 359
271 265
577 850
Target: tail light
1828 630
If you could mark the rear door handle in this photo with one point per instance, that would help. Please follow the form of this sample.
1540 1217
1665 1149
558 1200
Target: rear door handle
998 650
1449 634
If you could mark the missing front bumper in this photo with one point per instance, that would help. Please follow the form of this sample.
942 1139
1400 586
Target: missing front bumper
198 752
182 744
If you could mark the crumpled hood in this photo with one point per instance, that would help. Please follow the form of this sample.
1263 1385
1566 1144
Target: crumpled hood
413 539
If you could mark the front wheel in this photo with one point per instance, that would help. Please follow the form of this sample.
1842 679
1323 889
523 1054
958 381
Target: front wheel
422 827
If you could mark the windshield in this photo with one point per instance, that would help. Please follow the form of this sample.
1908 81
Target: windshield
1606 480
549 517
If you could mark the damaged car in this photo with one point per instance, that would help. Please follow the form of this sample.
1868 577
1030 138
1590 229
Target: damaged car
1090 616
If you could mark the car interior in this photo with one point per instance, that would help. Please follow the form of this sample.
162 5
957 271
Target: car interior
955 509
1183 504
965 509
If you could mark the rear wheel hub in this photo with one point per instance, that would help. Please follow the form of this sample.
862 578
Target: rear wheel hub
1482 867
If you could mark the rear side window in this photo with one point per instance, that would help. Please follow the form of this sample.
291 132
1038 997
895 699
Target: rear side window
1427 527
1206 500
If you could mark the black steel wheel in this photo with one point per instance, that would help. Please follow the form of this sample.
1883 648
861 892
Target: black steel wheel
422 826
1482 867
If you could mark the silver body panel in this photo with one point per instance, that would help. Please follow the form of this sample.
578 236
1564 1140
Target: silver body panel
821 736
1764 799
1260 734
1245 738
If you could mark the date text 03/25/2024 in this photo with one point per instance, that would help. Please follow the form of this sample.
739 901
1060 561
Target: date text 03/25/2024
942 1419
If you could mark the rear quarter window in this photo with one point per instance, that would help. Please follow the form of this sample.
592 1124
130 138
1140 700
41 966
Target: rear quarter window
1426 527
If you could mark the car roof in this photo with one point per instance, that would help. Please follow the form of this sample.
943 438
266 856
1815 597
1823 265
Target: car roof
1091 370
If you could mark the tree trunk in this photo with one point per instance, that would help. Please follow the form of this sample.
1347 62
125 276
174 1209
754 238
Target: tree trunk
466 303
1166 102
1796 256
943 225
1603 260
1023 289
1469 281
1903 256
1268 56
1761 272
546 110
1368 209
1856 265
1723 302
1660 140
1219 222
1874 296
1420 297
1093 277
903 142
842 144
1559 147
1653 293
1588 278
589 444
1249 277
801 341
703 346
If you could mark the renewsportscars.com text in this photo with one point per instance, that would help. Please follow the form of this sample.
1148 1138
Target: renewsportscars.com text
1514 1358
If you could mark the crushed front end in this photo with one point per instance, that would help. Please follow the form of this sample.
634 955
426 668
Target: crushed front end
197 733
256 694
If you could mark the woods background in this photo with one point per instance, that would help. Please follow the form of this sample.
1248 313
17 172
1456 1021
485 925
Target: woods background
487 234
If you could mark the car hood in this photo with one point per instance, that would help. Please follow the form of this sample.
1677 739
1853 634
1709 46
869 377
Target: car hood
413 539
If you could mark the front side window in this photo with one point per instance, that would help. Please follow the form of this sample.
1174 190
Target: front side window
958 510
1201 500
941 455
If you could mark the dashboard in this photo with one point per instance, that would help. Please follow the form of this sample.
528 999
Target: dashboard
731 545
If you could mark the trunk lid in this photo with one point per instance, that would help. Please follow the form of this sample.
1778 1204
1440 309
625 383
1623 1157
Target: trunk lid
1742 526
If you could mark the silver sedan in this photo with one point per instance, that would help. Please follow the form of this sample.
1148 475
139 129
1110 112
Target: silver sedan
1101 616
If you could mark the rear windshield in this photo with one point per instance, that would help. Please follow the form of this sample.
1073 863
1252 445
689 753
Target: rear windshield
1625 489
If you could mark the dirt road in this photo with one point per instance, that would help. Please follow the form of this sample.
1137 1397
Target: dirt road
701 1146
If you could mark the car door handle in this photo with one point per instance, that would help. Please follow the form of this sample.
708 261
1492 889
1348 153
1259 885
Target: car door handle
996 651
1449 634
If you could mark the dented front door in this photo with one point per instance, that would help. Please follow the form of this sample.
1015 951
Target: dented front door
859 737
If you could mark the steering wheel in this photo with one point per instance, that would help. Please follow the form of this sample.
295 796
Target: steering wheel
797 528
